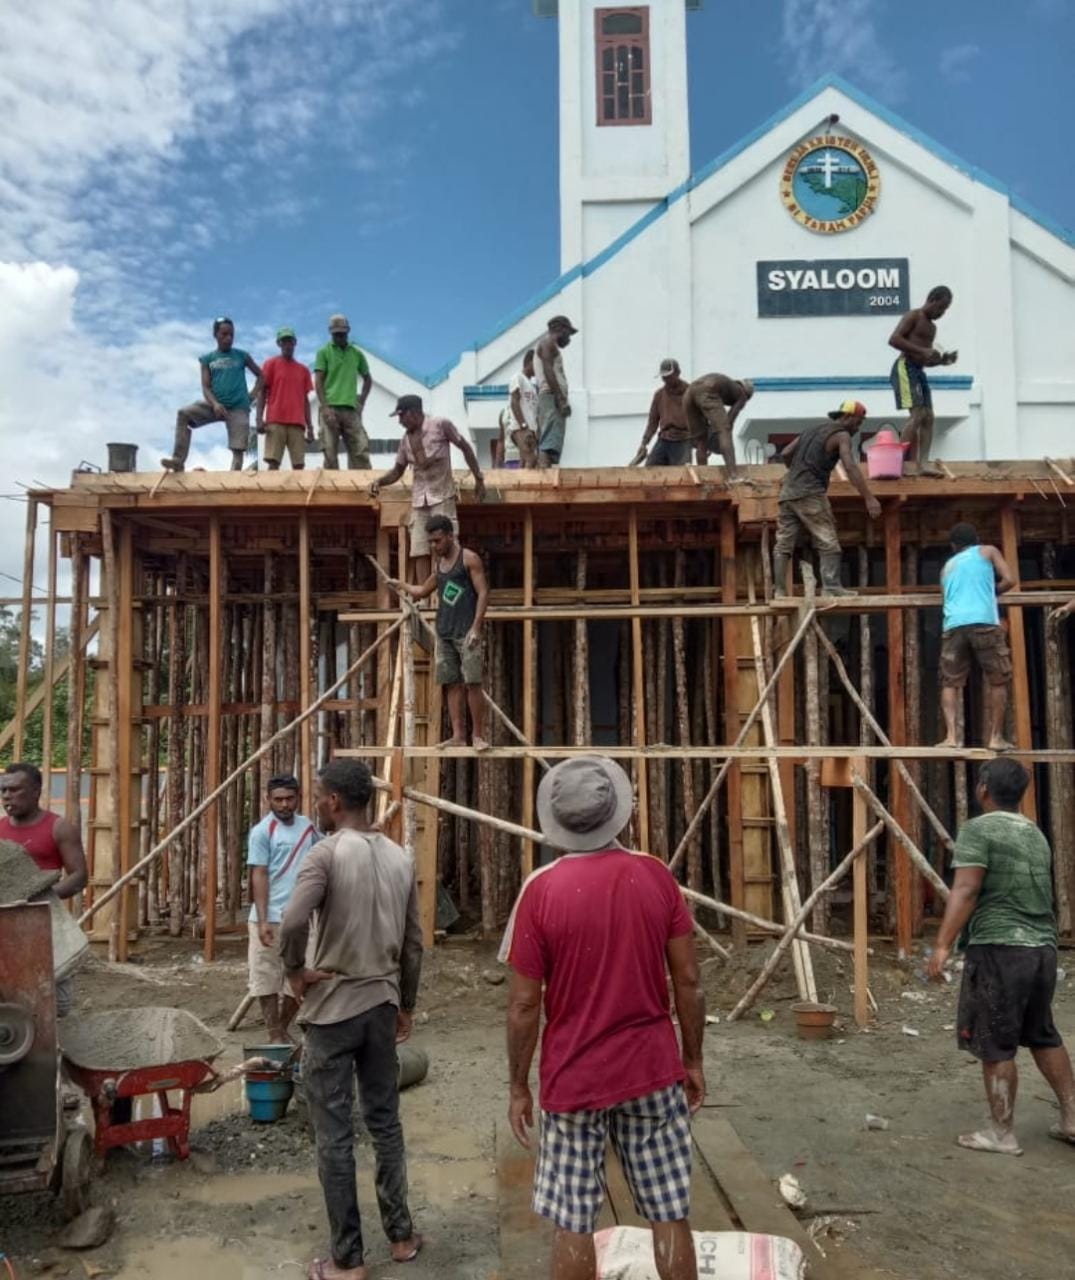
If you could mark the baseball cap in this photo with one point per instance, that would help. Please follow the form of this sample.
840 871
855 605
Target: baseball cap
668 365
404 404
284 333
339 324
849 409
562 322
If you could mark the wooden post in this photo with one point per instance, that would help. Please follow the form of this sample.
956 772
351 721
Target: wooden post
1020 688
268 673
76 686
126 811
815 801
683 725
1058 730
529 710
25 638
581 673
912 683
906 884
110 573
306 762
638 682
733 793
50 670
861 904
212 745
866 691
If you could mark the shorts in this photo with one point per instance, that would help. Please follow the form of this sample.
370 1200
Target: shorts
911 385
199 414
419 522
1006 1001
652 1137
458 663
989 645
267 974
552 426
278 436
669 453
707 417
812 513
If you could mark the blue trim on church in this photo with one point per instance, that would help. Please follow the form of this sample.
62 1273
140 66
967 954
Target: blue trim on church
658 211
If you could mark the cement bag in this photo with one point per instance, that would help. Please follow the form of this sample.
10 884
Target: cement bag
626 1253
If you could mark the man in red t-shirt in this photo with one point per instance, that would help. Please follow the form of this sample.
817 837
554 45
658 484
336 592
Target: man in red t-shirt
285 387
595 929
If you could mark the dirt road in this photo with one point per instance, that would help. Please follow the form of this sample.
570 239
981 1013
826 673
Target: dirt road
248 1204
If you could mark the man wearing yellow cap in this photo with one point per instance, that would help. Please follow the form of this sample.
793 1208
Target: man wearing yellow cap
804 496
337 369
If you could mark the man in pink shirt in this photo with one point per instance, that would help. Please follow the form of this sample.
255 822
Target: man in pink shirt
596 930
427 447
285 390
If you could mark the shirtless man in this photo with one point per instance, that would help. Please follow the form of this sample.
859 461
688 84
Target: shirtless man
553 405
913 338
712 403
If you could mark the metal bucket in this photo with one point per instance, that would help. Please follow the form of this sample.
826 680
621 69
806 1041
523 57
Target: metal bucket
122 457
413 1065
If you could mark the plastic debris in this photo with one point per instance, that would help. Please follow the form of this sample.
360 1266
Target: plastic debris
767 1015
793 1194
919 997
910 1031
876 1122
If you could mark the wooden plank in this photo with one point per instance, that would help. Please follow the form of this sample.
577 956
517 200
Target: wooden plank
212 744
306 695
906 882
78 634
638 680
861 902
22 674
529 707
733 784
127 811
1020 687
111 733
49 682
752 753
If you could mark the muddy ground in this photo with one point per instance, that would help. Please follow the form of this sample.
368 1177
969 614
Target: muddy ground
247 1204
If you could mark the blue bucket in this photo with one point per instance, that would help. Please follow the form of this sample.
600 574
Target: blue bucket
268 1095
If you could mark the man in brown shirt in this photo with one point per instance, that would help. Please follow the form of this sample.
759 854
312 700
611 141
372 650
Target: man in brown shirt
713 402
356 1005
668 422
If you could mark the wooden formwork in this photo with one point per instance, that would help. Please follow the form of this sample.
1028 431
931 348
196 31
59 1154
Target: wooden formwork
621 616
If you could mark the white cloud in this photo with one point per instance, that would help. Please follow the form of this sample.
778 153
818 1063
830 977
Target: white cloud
956 61
842 36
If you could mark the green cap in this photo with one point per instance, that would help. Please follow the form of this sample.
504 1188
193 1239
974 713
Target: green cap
284 333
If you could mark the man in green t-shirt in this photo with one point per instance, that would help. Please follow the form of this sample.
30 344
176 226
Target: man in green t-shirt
337 369
1001 909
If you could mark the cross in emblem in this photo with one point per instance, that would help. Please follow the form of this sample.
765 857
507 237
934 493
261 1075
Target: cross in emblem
828 164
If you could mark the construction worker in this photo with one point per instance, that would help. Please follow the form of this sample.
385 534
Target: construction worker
804 497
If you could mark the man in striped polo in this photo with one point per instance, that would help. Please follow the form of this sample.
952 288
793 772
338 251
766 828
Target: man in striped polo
275 850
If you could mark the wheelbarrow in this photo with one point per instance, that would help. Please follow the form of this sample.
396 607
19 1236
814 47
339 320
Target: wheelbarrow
43 1145
125 1054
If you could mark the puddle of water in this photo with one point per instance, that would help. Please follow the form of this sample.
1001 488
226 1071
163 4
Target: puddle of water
228 1099
186 1256
249 1188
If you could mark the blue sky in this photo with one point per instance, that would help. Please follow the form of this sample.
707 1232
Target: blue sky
166 160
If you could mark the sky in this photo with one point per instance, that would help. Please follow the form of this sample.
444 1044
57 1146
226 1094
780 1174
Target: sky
167 161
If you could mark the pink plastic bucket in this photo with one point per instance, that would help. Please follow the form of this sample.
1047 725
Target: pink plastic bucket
884 457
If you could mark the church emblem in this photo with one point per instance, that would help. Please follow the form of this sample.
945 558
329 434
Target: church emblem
830 184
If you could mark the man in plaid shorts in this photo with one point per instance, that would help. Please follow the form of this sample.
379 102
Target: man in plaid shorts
596 929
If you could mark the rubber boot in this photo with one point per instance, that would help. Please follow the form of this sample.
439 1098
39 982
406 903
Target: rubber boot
830 575
781 560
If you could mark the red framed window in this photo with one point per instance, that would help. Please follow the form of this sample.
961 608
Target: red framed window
622 42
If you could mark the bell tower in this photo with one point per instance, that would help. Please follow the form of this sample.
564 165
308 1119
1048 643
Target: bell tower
624 126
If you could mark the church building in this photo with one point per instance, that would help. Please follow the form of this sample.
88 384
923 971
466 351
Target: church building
787 260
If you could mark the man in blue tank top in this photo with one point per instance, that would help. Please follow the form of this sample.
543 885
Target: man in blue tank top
971 580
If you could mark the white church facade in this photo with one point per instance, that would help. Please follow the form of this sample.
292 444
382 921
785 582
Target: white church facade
786 260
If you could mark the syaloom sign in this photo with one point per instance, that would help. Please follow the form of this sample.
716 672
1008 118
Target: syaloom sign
833 287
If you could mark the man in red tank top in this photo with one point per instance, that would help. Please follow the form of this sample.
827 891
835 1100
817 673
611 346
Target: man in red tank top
54 843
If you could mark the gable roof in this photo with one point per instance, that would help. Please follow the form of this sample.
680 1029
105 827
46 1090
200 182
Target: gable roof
587 268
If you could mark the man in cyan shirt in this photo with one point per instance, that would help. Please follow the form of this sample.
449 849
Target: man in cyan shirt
427 447
595 930
357 1003
1001 909
285 401
275 852
337 369
225 398
972 578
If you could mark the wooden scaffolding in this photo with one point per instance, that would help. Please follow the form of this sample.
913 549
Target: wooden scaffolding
225 627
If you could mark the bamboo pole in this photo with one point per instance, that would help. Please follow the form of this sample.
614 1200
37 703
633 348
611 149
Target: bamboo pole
683 725
22 674
866 687
50 669
111 574
212 729
306 761
268 671
748 724
711 942
828 884
581 672
760 922
76 686
861 910
882 737
815 799
915 854
265 747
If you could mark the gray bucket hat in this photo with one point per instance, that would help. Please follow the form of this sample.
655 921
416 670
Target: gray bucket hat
584 803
